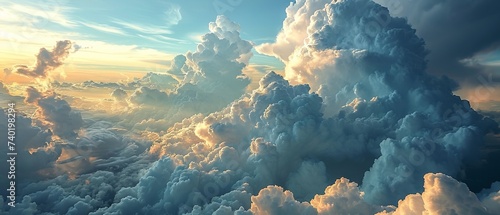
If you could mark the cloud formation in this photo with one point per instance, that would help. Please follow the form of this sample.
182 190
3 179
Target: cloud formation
46 61
201 81
470 24
355 103
370 67
215 68
54 113
3 88
119 94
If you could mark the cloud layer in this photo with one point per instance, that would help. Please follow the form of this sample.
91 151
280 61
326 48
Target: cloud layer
355 103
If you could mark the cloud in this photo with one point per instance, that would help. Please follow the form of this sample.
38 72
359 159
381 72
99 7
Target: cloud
217 163
176 66
46 61
343 197
273 200
148 96
295 29
38 15
119 94
3 88
143 28
103 28
491 198
220 58
55 113
443 195
364 63
36 153
173 14
366 110
473 37
200 81
155 80
152 80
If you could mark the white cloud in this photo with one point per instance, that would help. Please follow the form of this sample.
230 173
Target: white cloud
145 29
37 15
273 200
295 29
173 14
442 195
104 28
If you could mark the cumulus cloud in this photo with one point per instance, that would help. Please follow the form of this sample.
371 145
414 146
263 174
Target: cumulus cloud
212 72
46 61
343 197
3 88
272 200
444 195
200 81
54 113
119 94
155 80
491 198
372 73
176 66
5 94
295 29
34 154
54 167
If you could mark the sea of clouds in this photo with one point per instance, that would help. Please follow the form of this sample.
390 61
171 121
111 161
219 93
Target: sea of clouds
355 125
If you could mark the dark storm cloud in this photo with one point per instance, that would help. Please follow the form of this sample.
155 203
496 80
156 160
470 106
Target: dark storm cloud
454 31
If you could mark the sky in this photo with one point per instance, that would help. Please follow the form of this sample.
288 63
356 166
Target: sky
250 107
108 31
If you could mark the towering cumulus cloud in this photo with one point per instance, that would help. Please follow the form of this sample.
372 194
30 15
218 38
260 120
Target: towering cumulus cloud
208 79
211 73
370 70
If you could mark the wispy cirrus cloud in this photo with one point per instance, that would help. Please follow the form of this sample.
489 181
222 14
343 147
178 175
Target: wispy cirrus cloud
162 39
104 28
146 29
32 14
